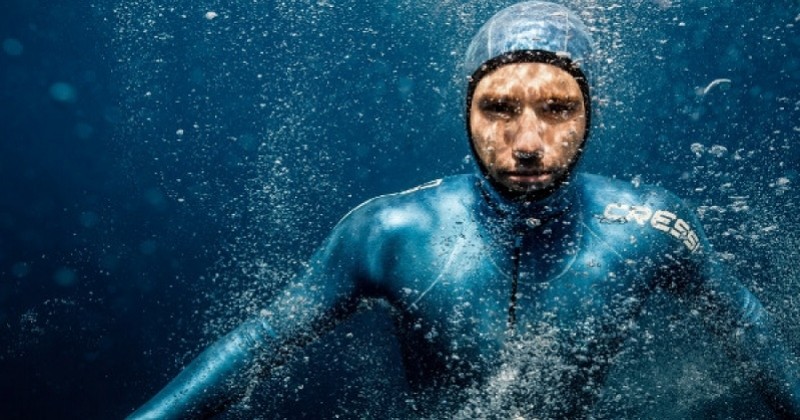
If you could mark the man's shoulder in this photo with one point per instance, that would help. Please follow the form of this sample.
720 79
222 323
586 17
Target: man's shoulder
418 206
601 191
641 210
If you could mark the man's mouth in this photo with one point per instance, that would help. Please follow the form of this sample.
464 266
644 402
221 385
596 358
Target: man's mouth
529 176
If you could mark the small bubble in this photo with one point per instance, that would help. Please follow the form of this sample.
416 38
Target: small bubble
533 222
718 150
20 269
697 149
65 277
63 92
12 46
405 85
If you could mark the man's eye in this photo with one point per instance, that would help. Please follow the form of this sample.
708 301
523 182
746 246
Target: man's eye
498 106
561 109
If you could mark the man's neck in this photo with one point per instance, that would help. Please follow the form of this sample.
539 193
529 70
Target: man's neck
553 205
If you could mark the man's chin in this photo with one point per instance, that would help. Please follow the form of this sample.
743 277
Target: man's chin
533 189
529 184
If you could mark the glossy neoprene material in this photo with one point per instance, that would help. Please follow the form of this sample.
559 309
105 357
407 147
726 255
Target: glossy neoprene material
472 274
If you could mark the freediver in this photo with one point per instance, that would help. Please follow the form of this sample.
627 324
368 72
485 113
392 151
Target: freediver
476 265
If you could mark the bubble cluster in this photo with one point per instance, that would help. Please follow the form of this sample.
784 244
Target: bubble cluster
277 117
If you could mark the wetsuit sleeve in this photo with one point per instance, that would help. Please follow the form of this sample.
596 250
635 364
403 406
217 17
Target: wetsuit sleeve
735 315
327 292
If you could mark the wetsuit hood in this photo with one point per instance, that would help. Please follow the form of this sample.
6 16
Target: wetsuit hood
530 32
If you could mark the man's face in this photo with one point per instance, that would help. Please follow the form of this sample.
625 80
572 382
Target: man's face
527 121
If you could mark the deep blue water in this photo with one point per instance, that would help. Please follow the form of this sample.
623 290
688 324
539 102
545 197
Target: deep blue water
164 170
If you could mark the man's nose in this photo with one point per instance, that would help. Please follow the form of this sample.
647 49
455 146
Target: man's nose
527 144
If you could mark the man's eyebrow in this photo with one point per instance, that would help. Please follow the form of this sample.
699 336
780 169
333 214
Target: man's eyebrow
561 97
509 97
493 97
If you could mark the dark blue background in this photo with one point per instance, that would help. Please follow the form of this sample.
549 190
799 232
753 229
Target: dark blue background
162 174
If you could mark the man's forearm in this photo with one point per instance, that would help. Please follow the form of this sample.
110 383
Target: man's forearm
215 378
774 362
752 337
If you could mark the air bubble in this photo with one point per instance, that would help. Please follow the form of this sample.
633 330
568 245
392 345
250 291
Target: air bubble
697 149
65 277
63 92
20 269
718 150
12 47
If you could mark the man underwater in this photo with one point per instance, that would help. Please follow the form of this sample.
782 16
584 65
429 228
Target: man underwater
478 266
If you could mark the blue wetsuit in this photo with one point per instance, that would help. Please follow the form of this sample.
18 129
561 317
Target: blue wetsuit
474 276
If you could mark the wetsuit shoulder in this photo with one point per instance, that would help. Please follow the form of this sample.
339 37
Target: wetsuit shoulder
418 208
602 190
639 214
373 235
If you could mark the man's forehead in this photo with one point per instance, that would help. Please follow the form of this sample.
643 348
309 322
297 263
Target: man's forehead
530 77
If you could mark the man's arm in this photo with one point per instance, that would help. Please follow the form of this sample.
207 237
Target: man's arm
327 292
215 378
735 315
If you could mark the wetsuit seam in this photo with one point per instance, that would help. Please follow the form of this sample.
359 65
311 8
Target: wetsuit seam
512 308
603 242
457 247
578 248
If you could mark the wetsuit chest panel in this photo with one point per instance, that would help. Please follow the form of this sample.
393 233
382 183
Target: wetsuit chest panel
456 310
453 281
455 287
597 290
